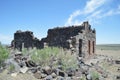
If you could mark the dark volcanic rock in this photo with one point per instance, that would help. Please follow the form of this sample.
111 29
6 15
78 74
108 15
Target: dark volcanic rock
61 73
117 61
70 72
30 63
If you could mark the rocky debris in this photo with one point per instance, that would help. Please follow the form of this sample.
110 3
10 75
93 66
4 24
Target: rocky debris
68 78
14 74
53 75
70 72
89 77
78 74
30 63
49 77
84 71
60 78
61 73
33 69
11 63
117 61
118 77
38 75
23 69
118 69
25 39
43 75
47 70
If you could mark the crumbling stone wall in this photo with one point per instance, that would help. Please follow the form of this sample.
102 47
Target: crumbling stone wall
25 39
60 36
79 39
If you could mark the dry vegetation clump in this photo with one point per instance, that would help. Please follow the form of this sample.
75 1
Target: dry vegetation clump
53 56
3 54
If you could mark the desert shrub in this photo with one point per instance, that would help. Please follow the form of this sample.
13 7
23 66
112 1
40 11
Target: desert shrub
25 51
43 56
82 79
67 60
95 75
11 67
3 54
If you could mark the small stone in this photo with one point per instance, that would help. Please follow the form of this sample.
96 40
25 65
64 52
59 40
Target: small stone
33 70
14 74
43 75
53 75
68 78
37 75
70 72
24 69
89 77
47 70
60 67
18 54
49 77
60 78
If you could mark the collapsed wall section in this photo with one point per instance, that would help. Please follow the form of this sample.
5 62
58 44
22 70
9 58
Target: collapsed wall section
25 39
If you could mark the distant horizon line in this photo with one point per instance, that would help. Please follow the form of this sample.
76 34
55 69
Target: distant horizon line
109 44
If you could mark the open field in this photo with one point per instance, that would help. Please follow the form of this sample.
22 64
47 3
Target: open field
111 50
108 47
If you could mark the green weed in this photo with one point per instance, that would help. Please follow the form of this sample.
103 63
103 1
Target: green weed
3 54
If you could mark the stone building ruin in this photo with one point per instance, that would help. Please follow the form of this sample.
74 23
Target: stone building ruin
79 39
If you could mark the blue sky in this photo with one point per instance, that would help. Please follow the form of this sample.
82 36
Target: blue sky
40 15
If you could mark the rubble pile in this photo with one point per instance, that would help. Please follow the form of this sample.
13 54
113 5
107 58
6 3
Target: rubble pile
93 69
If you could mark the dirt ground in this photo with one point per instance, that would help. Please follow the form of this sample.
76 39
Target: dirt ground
112 69
110 53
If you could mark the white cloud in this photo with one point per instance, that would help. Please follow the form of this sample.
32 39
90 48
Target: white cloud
92 5
112 12
5 39
93 11
97 15
72 16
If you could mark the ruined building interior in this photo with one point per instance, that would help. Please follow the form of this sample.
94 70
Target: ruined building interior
79 39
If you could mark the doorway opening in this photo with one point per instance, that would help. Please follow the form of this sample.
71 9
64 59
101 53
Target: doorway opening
80 47
89 47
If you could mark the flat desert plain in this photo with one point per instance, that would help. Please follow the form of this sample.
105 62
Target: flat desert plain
111 50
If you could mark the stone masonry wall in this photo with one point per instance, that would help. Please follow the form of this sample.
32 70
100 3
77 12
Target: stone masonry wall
25 39
79 39
60 36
